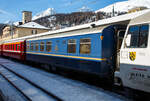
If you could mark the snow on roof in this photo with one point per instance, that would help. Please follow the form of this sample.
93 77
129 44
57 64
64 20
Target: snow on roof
121 18
32 25
145 18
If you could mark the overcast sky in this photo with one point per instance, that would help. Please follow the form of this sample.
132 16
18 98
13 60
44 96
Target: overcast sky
10 10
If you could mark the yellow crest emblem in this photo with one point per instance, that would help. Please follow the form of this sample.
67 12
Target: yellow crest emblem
132 56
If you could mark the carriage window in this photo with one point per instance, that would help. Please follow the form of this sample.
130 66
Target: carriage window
16 47
42 46
85 46
19 47
48 46
139 36
37 47
134 31
13 47
71 46
120 38
28 47
31 47
143 36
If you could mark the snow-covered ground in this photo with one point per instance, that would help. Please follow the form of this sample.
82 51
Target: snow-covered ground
64 88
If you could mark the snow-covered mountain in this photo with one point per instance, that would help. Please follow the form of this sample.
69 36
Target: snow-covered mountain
126 5
9 22
49 11
85 9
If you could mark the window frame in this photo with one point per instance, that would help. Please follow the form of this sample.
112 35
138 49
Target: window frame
31 46
87 43
50 46
139 36
19 47
71 43
16 47
42 46
28 46
36 46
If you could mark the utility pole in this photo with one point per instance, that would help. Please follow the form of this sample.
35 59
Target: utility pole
11 30
113 10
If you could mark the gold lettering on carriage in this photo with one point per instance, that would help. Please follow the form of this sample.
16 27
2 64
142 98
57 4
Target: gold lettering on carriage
132 56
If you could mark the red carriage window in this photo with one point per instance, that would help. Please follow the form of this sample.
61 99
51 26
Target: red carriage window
13 47
19 47
16 47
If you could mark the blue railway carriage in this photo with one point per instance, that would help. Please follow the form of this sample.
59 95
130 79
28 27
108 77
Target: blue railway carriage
90 50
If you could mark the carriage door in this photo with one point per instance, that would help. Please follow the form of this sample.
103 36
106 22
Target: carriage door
137 43
120 36
135 55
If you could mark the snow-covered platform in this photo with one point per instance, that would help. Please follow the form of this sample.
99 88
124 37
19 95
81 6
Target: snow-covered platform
63 88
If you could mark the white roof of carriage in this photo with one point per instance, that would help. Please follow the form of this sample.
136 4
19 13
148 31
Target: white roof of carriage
33 25
121 18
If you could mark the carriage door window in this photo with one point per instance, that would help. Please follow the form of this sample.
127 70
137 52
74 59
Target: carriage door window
71 46
42 46
143 36
120 39
85 46
134 32
139 36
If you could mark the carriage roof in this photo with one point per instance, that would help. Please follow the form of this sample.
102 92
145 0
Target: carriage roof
145 18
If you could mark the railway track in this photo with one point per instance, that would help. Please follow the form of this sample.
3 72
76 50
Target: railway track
51 86
30 90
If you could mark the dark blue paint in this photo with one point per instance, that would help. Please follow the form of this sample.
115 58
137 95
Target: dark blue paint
99 49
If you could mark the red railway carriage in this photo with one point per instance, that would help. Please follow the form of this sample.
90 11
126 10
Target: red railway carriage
1 49
14 50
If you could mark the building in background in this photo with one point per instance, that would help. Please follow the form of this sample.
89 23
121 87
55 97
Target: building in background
2 26
135 9
24 28
26 17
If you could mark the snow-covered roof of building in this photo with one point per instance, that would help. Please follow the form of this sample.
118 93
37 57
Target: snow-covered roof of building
33 25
